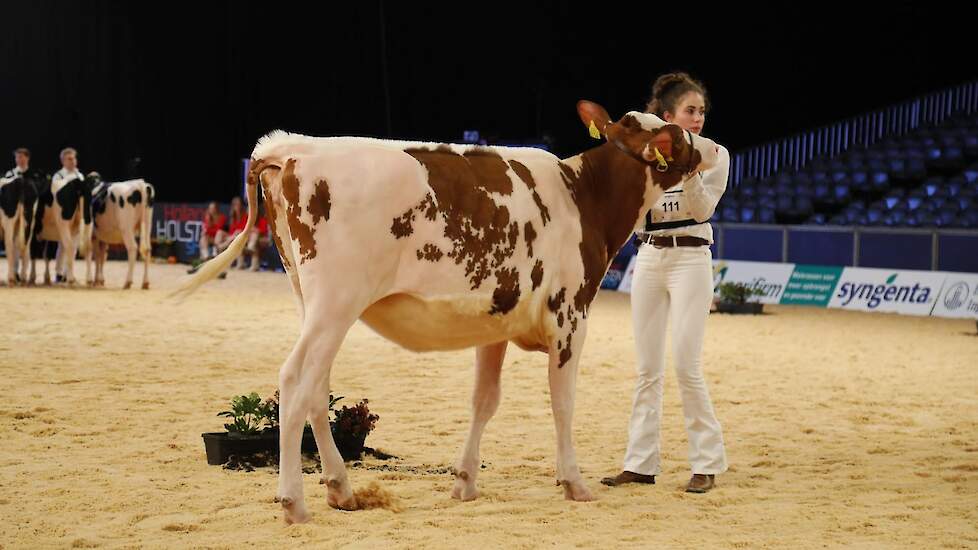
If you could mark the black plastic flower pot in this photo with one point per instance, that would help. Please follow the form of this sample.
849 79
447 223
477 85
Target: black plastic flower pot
749 308
350 447
221 445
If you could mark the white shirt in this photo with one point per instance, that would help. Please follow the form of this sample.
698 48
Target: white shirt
11 175
695 198
64 175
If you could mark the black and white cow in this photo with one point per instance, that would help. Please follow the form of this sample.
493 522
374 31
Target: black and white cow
121 211
18 202
65 217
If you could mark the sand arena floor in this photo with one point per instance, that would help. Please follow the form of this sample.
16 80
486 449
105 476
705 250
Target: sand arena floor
842 429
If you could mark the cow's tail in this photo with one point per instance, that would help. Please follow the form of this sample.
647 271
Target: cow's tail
145 237
219 264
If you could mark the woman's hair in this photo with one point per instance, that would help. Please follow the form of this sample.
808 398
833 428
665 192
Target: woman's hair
237 214
210 217
669 88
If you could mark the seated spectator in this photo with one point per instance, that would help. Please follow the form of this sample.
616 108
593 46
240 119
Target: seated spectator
258 240
236 224
213 232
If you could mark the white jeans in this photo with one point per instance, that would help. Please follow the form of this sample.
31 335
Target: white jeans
674 284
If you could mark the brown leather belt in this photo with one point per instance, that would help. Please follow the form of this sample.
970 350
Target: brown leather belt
669 242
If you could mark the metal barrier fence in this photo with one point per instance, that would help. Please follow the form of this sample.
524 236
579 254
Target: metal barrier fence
796 151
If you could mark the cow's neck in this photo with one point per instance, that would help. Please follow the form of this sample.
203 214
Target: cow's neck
612 192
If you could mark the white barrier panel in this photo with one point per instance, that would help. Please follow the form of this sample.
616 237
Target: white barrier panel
887 290
769 278
937 293
959 299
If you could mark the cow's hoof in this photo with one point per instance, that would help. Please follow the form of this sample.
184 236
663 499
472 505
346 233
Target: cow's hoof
146 285
339 495
576 491
464 488
295 512
11 282
127 286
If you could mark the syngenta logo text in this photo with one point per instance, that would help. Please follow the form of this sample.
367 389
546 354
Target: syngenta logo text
874 295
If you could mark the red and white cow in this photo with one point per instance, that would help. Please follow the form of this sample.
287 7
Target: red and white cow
440 247
121 211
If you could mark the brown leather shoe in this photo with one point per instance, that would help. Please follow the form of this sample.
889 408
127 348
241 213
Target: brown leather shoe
700 483
628 477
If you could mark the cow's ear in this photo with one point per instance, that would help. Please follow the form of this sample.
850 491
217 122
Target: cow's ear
594 116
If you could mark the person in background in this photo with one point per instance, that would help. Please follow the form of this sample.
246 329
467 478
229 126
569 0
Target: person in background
258 240
212 232
237 221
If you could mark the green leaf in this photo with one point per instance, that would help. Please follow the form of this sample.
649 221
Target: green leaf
892 278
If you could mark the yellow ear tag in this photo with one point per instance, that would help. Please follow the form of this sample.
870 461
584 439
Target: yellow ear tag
661 159
593 131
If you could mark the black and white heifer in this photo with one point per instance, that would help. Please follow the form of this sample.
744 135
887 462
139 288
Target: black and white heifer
65 217
122 211
18 201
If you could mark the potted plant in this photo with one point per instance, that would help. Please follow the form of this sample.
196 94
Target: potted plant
164 248
350 429
253 427
735 298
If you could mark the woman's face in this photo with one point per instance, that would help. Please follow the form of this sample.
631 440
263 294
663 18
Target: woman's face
236 204
212 208
690 112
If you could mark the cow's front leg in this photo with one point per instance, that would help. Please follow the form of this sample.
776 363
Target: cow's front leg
485 401
565 353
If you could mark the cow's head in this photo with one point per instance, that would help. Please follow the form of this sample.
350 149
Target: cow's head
92 180
667 148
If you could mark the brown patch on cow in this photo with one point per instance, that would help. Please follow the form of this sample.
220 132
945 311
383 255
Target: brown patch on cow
524 174
507 292
482 235
430 252
557 300
536 276
401 226
530 235
319 202
608 193
300 232
560 319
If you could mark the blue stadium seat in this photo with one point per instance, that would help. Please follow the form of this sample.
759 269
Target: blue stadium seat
874 216
946 218
766 215
747 214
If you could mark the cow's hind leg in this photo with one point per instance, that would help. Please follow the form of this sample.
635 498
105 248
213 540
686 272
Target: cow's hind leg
10 247
129 239
563 382
485 401
304 391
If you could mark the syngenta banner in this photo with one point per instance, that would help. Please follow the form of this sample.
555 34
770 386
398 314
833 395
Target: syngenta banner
906 292
959 298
